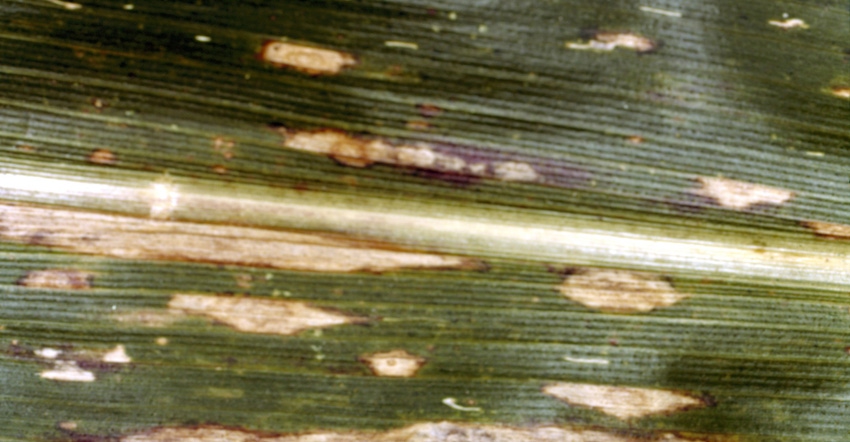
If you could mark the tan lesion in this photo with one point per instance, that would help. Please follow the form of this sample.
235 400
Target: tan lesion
740 195
395 363
418 432
64 279
840 91
306 58
623 402
260 315
619 291
67 364
103 156
829 230
155 239
357 151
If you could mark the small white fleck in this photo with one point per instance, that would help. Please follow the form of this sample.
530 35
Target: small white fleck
203 38
48 353
478 168
118 355
163 198
436 28
452 15
451 402
269 276
789 23
68 372
661 11
482 29
161 340
114 307
814 154
608 41
514 171
587 361
129 6
68 425
318 350
401 44
71 6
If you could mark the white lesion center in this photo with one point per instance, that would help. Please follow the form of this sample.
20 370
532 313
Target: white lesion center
164 197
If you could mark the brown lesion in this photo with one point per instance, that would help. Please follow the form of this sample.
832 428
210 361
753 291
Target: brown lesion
224 147
428 110
828 230
417 125
840 91
417 432
67 279
452 162
37 238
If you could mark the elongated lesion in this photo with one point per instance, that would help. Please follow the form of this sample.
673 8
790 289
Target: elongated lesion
625 402
259 315
467 162
840 91
65 279
741 195
418 432
597 40
828 230
309 59
151 239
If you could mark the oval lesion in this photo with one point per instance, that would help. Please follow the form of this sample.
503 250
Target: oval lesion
619 291
308 59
